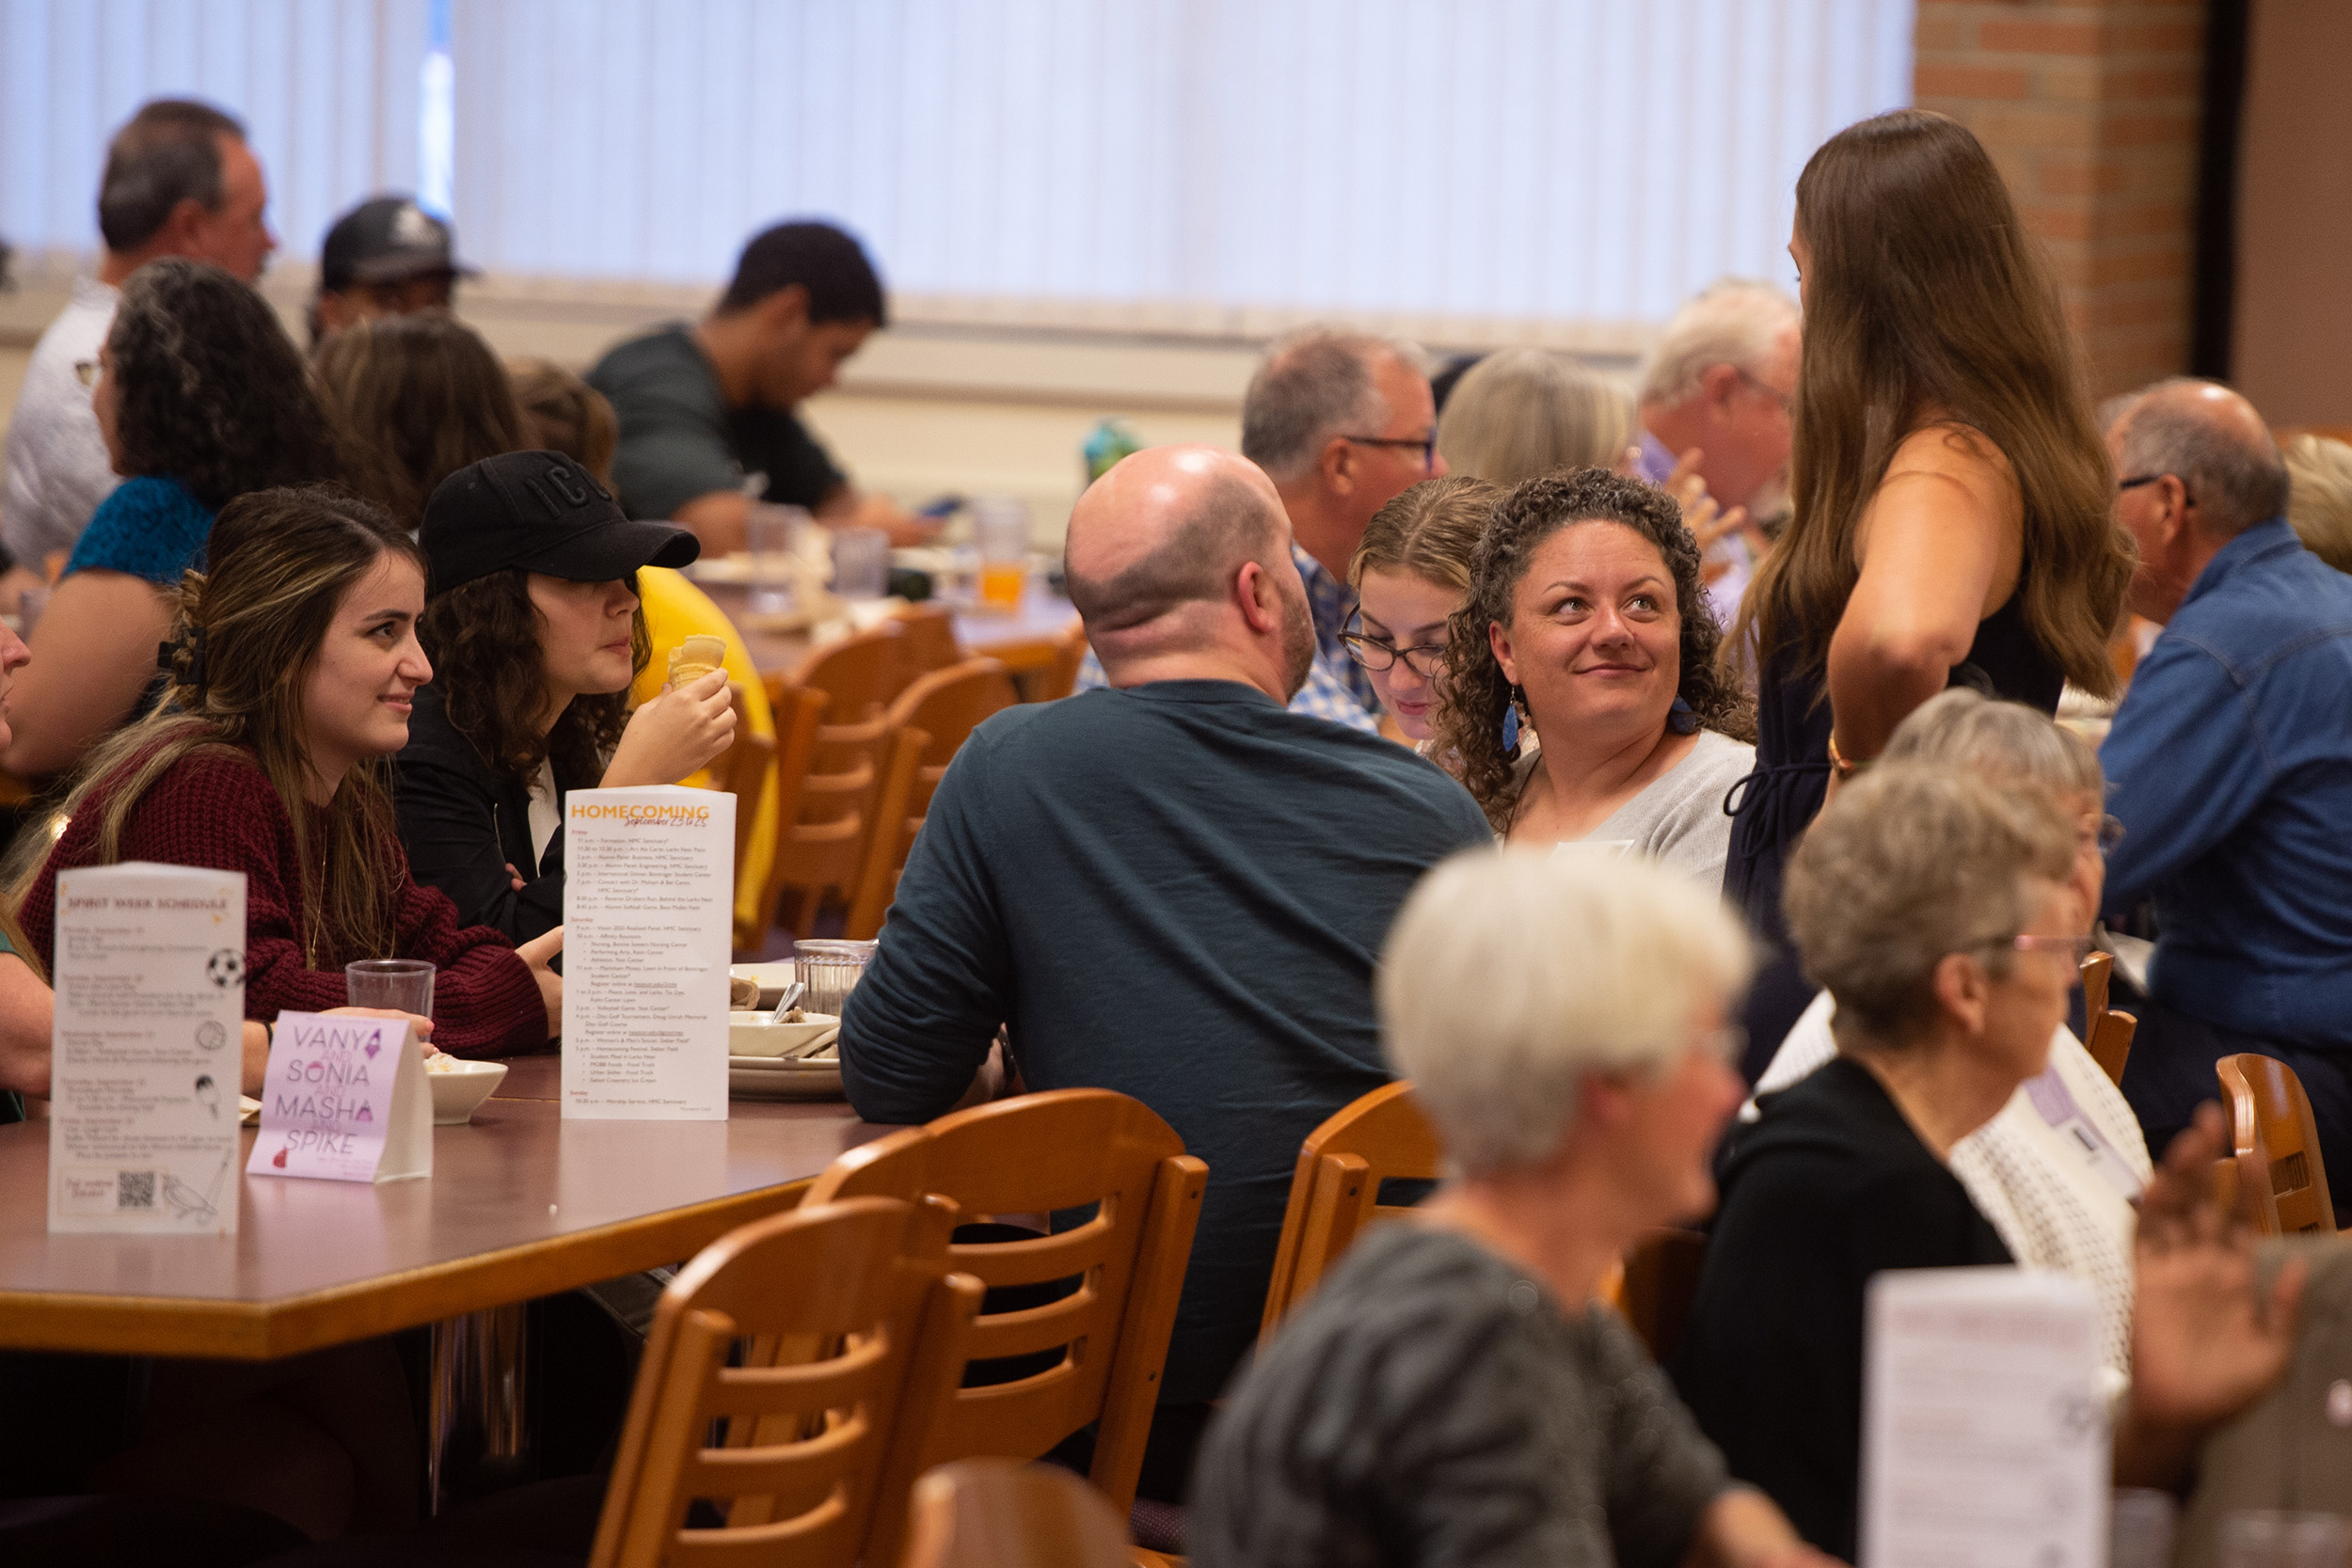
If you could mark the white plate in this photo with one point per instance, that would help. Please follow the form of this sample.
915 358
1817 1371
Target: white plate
772 978
767 1078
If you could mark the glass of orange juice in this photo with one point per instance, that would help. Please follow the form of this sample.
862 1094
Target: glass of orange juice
1000 526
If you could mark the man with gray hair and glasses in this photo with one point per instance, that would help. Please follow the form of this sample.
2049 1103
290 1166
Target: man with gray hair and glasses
1342 423
179 181
2229 765
1715 395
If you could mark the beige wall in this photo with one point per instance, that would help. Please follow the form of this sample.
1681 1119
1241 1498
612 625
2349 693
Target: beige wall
2290 349
928 408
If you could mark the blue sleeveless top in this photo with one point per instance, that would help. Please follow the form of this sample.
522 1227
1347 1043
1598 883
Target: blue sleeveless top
150 528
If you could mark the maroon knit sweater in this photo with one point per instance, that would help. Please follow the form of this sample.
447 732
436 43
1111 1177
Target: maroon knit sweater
222 814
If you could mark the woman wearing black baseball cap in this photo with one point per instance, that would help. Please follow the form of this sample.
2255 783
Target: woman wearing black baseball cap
533 625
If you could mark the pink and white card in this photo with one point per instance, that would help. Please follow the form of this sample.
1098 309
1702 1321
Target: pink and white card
344 1100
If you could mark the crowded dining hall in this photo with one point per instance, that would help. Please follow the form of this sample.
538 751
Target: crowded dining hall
966 786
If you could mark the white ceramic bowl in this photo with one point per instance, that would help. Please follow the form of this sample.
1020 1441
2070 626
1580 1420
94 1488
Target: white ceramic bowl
458 1094
748 1036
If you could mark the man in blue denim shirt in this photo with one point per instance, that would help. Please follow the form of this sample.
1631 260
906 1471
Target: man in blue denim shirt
2229 765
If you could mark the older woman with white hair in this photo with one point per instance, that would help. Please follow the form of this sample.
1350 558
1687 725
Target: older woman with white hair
2055 1171
1455 1392
1933 906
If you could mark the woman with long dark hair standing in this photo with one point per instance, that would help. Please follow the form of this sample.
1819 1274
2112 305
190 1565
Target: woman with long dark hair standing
1951 495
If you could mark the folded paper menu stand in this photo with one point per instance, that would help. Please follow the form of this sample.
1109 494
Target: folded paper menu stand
344 1100
146 1051
648 927
1984 1426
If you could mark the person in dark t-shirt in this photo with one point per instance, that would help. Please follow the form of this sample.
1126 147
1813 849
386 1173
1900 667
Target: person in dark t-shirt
703 406
1175 888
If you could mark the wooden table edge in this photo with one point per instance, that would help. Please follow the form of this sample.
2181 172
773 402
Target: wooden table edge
361 1309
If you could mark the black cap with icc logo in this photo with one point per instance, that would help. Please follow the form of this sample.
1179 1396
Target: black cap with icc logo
542 512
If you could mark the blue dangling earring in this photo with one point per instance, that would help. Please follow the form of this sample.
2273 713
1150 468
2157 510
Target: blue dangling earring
1681 719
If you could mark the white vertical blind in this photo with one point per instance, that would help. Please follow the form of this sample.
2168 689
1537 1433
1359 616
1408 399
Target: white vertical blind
1570 159
327 89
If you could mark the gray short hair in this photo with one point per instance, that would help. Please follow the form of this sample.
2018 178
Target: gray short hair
1526 412
1908 863
2319 504
1734 323
167 153
2234 485
1311 385
1965 729
1511 973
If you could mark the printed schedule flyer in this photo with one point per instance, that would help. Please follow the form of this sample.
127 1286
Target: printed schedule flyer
146 1053
648 927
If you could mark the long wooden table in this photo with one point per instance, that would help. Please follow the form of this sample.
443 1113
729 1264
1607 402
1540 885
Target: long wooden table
521 1204
1024 637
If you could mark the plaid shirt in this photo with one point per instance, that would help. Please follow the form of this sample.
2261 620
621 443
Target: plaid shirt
1337 687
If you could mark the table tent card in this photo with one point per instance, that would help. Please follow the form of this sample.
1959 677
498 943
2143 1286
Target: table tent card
1985 1440
344 1100
146 1051
648 927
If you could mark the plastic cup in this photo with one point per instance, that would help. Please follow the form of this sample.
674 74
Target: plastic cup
406 984
830 971
770 534
1001 527
861 562
2265 1538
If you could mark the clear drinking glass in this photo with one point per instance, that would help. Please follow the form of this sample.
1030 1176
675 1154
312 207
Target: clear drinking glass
1001 527
402 983
771 532
830 971
2267 1538
861 562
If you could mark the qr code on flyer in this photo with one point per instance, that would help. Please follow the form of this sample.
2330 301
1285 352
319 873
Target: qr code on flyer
134 1188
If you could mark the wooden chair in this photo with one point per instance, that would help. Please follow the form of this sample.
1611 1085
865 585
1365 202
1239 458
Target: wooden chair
806 1464
943 708
1070 652
1661 1279
1001 1513
825 848
1335 1190
894 835
798 713
2270 1122
930 642
1033 1154
2106 1034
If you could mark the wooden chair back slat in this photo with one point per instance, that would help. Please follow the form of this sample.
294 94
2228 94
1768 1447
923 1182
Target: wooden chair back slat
893 836
1661 1279
860 673
2098 969
1335 1188
1035 1154
2111 1043
2271 1126
929 632
941 710
817 1482
1001 1513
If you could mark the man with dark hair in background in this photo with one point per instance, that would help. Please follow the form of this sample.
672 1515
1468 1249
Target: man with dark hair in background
179 181
703 407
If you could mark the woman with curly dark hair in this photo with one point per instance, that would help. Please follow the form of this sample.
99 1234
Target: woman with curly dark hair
200 397
536 634
1588 624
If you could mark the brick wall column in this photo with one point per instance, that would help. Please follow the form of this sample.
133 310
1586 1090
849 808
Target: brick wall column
2092 110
